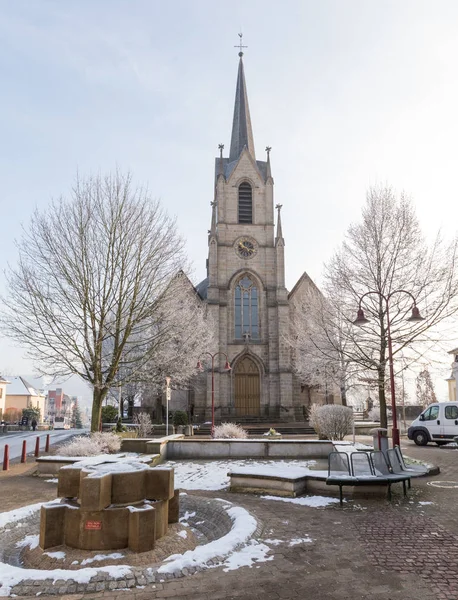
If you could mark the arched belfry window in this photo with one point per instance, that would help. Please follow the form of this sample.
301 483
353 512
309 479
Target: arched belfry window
246 309
245 203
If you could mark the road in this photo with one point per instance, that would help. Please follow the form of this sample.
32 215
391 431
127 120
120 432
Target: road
15 439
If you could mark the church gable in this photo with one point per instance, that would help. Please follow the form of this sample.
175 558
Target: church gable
245 168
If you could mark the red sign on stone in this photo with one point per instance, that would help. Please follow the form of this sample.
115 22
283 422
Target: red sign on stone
93 525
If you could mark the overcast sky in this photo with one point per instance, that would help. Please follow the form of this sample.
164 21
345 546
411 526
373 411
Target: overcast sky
348 93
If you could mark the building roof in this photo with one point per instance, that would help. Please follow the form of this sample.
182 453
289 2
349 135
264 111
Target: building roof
202 288
21 387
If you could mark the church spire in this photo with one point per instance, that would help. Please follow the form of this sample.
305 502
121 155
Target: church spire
242 134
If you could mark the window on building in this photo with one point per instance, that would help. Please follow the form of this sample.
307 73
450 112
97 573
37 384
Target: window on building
246 309
245 203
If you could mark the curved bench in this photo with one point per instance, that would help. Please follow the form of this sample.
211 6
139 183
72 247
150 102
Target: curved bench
291 482
358 470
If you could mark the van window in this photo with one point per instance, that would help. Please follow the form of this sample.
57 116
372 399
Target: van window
451 412
432 413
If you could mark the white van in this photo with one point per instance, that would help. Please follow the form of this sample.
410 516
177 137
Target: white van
438 423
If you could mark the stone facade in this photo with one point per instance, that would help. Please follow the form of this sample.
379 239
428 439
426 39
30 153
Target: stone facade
245 247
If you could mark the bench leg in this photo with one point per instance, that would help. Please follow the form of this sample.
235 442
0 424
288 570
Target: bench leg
389 492
341 495
409 484
404 487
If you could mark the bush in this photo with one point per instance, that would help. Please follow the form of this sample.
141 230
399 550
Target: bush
374 414
109 414
180 418
230 431
96 443
331 421
145 426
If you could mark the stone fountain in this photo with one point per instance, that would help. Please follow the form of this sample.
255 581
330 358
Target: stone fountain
110 505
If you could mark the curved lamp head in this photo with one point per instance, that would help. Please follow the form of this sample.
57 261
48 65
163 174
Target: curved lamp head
360 319
227 366
416 316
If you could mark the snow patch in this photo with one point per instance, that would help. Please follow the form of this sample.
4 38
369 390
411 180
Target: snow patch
296 541
99 557
30 541
313 501
254 552
54 480
56 555
183 534
273 542
243 527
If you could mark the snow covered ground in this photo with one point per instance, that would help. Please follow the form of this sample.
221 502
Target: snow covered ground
212 475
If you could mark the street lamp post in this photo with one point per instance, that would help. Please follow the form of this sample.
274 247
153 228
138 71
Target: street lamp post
362 320
227 367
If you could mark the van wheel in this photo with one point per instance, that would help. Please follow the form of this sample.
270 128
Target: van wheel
420 438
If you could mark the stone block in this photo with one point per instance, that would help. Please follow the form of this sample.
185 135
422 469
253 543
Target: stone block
52 525
128 487
142 529
162 517
174 507
95 492
159 484
68 482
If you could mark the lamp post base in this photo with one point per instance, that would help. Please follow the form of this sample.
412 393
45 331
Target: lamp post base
395 437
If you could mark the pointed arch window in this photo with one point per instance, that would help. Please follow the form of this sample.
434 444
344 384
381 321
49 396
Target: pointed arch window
246 304
245 203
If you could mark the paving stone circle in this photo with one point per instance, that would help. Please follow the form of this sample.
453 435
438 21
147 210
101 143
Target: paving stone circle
210 522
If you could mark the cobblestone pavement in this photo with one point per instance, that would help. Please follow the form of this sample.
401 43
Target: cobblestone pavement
369 549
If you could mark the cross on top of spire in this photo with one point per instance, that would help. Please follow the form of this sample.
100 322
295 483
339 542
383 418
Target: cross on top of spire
240 46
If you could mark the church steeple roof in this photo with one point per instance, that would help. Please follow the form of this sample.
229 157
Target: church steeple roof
242 134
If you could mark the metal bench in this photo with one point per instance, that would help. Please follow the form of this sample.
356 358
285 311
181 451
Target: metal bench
382 469
361 469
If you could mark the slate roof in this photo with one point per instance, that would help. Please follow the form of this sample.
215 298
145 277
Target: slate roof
202 288
21 387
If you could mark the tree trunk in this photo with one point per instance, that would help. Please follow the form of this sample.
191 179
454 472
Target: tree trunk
381 396
98 397
343 394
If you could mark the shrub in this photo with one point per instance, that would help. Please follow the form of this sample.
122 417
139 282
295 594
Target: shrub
96 443
230 431
80 446
109 443
331 421
374 414
180 418
109 414
145 427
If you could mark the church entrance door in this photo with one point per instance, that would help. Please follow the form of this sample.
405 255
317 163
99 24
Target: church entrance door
247 388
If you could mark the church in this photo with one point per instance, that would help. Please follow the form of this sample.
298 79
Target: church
245 289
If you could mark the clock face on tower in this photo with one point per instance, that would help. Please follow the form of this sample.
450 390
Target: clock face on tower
245 247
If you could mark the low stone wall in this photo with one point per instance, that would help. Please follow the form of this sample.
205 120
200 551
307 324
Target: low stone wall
274 449
149 445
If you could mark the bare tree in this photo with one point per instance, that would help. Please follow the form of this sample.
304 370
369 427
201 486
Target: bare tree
91 294
386 254
425 388
318 344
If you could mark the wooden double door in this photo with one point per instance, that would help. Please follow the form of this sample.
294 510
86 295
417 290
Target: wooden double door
247 388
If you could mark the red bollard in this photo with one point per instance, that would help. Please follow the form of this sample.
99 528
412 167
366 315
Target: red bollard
37 447
6 458
24 452
47 443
